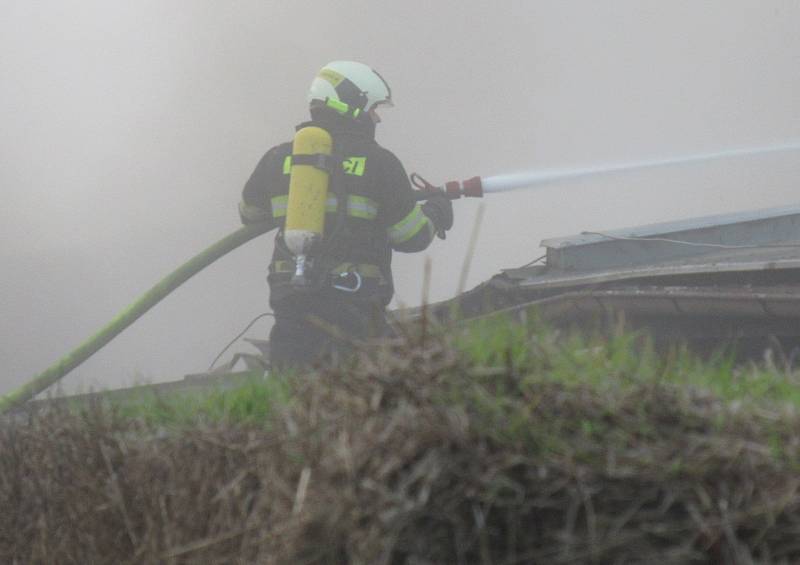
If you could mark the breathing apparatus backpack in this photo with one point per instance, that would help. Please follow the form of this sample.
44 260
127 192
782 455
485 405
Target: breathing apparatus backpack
312 169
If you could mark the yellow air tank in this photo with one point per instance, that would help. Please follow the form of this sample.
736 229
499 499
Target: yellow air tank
308 193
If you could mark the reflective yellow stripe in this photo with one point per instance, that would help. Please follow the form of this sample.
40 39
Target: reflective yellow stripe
331 76
357 206
409 226
287 165
279 205
361 207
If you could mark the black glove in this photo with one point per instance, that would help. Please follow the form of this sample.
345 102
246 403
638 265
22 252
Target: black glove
439 209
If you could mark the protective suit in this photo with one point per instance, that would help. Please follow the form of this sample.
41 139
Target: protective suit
371 211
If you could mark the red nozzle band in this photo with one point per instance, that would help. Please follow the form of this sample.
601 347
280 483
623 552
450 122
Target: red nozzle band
470 188
473 188
452 189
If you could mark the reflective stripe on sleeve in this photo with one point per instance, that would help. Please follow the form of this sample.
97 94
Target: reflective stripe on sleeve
409 226
279 205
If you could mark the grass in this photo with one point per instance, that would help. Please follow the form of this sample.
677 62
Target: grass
250 401
536 355
622 360
497 444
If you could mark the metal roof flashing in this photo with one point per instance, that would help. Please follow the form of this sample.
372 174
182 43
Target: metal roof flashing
670 241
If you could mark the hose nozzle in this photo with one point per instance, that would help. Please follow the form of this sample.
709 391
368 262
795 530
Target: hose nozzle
470 188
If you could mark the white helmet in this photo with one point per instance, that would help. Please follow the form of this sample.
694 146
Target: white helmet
349 87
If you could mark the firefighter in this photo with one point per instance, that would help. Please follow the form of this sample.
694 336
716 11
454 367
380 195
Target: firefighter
333 283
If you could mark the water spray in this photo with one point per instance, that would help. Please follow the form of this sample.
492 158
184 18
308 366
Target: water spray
474 187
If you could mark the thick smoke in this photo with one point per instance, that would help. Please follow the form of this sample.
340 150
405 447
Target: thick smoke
130 128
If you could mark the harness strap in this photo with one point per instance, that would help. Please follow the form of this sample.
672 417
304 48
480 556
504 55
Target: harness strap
354 165
364 270
320 161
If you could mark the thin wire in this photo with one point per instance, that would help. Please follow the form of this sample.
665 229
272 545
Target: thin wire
691 243
532 262
234 340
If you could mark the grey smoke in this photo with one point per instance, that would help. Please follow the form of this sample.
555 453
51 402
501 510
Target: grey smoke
128 130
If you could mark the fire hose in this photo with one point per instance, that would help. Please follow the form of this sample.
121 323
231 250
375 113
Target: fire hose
129 315
475 187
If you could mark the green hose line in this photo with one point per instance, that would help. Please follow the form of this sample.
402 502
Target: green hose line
132 313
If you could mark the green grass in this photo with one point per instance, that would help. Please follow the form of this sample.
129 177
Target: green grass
629 394
506 360
620 360
247 402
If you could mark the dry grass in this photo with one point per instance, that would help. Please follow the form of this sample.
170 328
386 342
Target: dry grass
413 455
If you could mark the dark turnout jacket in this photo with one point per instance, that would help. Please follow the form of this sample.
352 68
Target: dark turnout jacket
380 213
